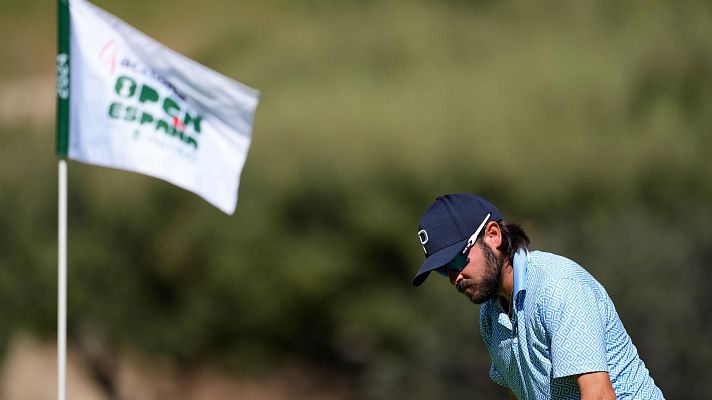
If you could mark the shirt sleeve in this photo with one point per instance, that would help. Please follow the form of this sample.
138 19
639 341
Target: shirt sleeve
575 327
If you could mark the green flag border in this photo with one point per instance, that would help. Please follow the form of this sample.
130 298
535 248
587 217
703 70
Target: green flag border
63 69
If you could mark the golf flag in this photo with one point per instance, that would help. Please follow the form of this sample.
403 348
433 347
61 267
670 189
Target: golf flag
126 101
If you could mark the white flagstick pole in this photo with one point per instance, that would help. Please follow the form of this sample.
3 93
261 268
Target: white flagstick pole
63 47
62 286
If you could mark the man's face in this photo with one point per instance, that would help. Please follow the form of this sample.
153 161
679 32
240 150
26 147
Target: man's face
481 279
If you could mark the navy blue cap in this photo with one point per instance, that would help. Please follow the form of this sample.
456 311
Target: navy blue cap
446 227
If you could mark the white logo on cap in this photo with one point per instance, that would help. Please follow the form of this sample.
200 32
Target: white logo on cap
423 236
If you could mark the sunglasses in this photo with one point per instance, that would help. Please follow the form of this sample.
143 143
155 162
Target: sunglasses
457 264
461 260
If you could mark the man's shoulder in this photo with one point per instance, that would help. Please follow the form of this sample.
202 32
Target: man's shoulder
550 267
550 274
545 259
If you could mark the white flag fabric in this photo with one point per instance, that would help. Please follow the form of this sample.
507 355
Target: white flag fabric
136 105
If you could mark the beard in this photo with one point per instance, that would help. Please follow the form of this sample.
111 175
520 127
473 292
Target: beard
479 292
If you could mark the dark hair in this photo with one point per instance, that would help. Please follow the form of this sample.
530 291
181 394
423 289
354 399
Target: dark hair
513 239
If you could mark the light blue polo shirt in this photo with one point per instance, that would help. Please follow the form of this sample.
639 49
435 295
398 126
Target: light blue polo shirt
563 323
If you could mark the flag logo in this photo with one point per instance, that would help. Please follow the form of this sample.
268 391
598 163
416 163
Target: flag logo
145 108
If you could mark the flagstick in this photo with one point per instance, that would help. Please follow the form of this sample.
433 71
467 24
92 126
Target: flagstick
62 288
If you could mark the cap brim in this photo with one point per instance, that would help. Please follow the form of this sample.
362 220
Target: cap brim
437 260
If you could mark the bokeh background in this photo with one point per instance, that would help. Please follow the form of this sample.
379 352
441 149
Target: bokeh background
587 122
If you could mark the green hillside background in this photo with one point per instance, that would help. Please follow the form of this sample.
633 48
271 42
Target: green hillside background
587 122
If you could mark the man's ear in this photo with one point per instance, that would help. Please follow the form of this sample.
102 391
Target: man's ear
493 235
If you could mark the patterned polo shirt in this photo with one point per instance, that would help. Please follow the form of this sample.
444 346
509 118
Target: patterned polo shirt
563 323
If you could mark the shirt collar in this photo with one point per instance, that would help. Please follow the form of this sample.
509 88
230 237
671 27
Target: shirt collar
521 258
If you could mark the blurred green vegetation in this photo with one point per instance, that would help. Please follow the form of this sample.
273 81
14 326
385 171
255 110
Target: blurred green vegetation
589 123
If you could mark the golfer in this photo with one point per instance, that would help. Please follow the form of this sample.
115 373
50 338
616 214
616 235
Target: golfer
549 326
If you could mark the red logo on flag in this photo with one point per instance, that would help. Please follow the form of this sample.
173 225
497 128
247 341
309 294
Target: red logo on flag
107 55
